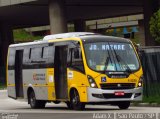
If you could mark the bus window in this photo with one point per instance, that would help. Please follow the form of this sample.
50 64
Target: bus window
48 55
36 53
76 59
11 59
111 56
76 53
48 52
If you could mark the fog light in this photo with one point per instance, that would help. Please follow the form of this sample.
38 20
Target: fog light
98 95
137 94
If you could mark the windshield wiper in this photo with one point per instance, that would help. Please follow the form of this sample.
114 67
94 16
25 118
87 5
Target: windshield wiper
119 59
106 64
107 61
128 68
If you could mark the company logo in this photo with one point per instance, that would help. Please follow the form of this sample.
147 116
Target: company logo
38 76
34 76
119 85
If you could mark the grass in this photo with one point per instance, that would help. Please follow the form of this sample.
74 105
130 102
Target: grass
21 35
152 99
151 89
2 86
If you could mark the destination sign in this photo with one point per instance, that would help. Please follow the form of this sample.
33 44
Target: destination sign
107 47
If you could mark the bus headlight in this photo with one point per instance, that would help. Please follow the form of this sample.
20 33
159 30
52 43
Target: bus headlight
92 82
140 83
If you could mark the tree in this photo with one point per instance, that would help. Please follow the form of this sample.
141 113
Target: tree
155 25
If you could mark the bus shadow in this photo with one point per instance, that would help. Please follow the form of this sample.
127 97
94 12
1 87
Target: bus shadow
86 109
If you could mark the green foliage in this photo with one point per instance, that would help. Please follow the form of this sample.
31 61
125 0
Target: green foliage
152 99
2 86
136 39
21 35
71 29
151 92
155 25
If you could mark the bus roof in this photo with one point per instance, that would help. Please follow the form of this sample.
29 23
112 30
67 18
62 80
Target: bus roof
67 35
84 36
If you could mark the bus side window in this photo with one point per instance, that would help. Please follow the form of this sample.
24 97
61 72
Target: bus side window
36 53
76 59
48 54
76 53
11 58
26 56
69 57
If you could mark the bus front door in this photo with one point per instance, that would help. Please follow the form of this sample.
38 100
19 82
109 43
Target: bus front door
60 72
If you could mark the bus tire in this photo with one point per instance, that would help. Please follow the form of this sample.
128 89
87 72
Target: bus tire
75 103
69 105
56 102
35 104
124 105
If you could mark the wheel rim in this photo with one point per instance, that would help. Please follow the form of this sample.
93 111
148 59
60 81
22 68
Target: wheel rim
75 99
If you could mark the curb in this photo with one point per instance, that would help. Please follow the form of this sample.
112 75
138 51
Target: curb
145 104
3 90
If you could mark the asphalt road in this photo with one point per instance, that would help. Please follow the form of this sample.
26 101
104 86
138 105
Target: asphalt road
13 109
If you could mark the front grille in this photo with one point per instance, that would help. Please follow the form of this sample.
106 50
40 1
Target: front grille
108 96
113 86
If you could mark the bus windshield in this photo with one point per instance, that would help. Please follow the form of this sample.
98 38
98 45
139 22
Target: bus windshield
111 56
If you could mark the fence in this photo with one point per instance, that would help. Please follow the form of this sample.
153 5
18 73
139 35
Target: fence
150 59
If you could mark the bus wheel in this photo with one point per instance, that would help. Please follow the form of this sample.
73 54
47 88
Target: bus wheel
75 101
124 105
35 103
56 102
69 105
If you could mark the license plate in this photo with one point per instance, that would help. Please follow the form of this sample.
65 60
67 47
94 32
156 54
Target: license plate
119 93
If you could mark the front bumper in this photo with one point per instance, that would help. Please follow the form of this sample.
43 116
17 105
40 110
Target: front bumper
100 95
